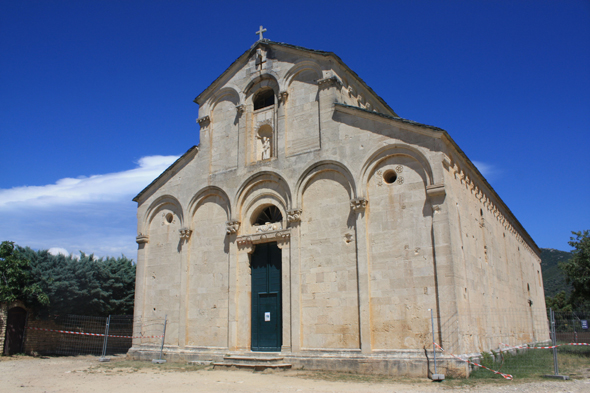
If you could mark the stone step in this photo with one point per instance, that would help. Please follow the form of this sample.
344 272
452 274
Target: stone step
252 359
254 366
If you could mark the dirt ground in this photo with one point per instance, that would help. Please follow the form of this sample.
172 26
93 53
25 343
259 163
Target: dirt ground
22 374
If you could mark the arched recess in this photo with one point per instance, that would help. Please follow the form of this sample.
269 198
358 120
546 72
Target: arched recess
376 157
399 231
302 132
329 291
223 136
162 268
261 129
269 79
164 201
208 266
210 191
323 166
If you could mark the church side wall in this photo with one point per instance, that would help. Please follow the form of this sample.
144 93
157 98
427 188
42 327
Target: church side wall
500 295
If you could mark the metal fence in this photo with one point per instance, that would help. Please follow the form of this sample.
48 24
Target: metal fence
73 335
521 344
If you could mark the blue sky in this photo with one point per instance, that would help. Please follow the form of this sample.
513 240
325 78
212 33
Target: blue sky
96 98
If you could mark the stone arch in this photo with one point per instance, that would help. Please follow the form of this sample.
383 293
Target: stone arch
323 166
300 66
263 188
384 152
226 93
157 205
269 79
205 193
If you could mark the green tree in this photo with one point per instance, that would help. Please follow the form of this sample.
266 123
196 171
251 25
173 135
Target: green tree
15 278
577 269
84 285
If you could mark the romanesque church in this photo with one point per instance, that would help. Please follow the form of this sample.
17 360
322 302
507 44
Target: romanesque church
314 224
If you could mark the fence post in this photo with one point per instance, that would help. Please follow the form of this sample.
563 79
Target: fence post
103 358
436 376
554 341
160 360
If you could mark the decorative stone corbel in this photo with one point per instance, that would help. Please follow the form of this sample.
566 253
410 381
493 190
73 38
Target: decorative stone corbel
204 122
240 109
245 244
185 233
358 204
283 95
436 193
283 239
328 82
294 216
142 239
232 227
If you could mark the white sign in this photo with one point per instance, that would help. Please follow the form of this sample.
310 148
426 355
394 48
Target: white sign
266 317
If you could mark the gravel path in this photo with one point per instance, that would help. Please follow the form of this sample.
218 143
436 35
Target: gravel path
86 374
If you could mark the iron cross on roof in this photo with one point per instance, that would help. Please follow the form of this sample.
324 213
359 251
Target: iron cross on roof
259 32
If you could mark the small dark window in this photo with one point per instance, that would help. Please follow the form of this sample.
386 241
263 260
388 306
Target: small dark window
263 99
390 176
270 214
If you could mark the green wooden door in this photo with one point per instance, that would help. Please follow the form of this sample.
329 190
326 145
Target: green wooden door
266 298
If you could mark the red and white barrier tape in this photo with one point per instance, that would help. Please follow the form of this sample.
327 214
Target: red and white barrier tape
525 346
506 376
90 334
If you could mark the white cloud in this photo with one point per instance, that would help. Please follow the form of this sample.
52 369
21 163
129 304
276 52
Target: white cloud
92 214
97 188
486 169
58 250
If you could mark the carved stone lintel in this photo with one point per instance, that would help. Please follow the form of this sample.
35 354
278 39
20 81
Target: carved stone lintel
280 236
204 122
185 233
328 82
294 216
142 239
358 204
232 227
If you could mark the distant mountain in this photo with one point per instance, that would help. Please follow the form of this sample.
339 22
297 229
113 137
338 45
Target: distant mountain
553 278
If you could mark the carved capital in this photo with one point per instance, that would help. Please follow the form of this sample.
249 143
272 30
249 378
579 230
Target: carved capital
185 233
142 239
204 122
240 109
232 227
358 204
294 215
283 95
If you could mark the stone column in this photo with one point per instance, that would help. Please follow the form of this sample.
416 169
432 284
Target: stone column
233 278
285 245
185 235
138 310
444 274
359 206
294 219
244 296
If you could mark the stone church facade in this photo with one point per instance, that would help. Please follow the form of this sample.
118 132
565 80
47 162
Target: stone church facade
315 223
